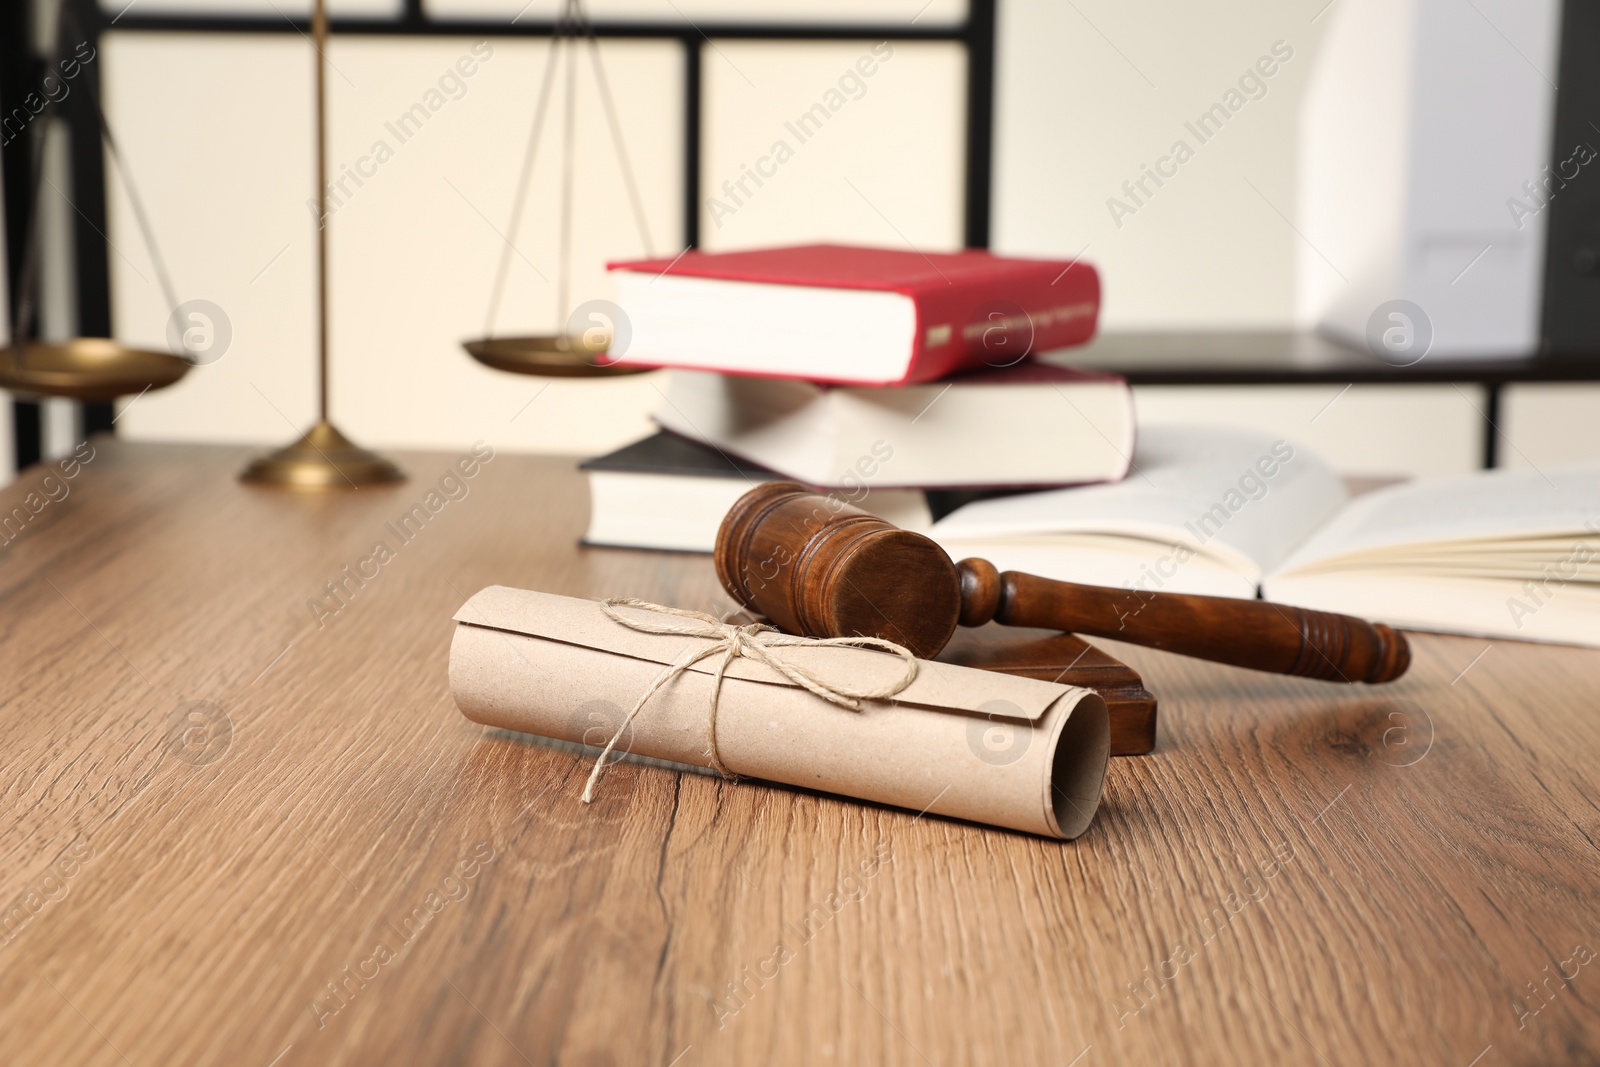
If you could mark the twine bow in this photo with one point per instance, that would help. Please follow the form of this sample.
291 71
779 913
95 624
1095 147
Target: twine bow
755 641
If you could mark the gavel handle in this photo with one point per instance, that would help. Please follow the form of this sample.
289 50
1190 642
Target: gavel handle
1246 633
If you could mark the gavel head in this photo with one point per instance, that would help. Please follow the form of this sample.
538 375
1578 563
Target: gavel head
816 566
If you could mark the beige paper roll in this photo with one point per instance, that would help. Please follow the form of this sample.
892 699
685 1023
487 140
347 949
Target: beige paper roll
969 744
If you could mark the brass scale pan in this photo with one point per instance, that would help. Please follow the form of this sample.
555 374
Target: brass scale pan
83 368
560 355
547 357
86 368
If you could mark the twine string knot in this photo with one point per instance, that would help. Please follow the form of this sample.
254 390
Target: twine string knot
730 640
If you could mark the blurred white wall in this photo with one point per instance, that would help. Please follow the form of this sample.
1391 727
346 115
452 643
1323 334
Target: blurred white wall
886 169
1548 425
1092 98
225 126
1365 430
1422 125
1092 93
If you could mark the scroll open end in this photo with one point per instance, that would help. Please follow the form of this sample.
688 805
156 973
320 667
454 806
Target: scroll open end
969 744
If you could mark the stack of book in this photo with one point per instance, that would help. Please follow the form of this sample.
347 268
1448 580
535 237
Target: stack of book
896 381
903 383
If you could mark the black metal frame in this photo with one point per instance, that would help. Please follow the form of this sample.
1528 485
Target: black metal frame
22 71
1571 320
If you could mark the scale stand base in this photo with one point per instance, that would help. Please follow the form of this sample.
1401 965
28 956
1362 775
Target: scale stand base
322 459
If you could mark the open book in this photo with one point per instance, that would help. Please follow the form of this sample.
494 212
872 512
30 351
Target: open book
1233 513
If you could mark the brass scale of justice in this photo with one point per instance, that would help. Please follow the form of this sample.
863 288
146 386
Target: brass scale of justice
104 369
851 574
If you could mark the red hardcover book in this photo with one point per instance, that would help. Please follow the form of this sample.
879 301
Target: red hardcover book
860 316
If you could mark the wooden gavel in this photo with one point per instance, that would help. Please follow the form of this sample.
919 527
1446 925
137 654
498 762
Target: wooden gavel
821 568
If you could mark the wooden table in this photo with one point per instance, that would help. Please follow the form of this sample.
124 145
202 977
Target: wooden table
240 830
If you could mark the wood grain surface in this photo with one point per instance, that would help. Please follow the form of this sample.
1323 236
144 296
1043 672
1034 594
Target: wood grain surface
240 830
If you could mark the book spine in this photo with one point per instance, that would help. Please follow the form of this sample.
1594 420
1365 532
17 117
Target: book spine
998 322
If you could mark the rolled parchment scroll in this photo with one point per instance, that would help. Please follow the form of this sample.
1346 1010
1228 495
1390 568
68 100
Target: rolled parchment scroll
969 744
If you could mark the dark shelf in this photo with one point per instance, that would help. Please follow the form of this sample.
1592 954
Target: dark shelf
1286 358
413 22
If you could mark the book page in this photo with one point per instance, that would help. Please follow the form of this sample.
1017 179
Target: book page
800 331
1479 513
1237 496
1560 611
